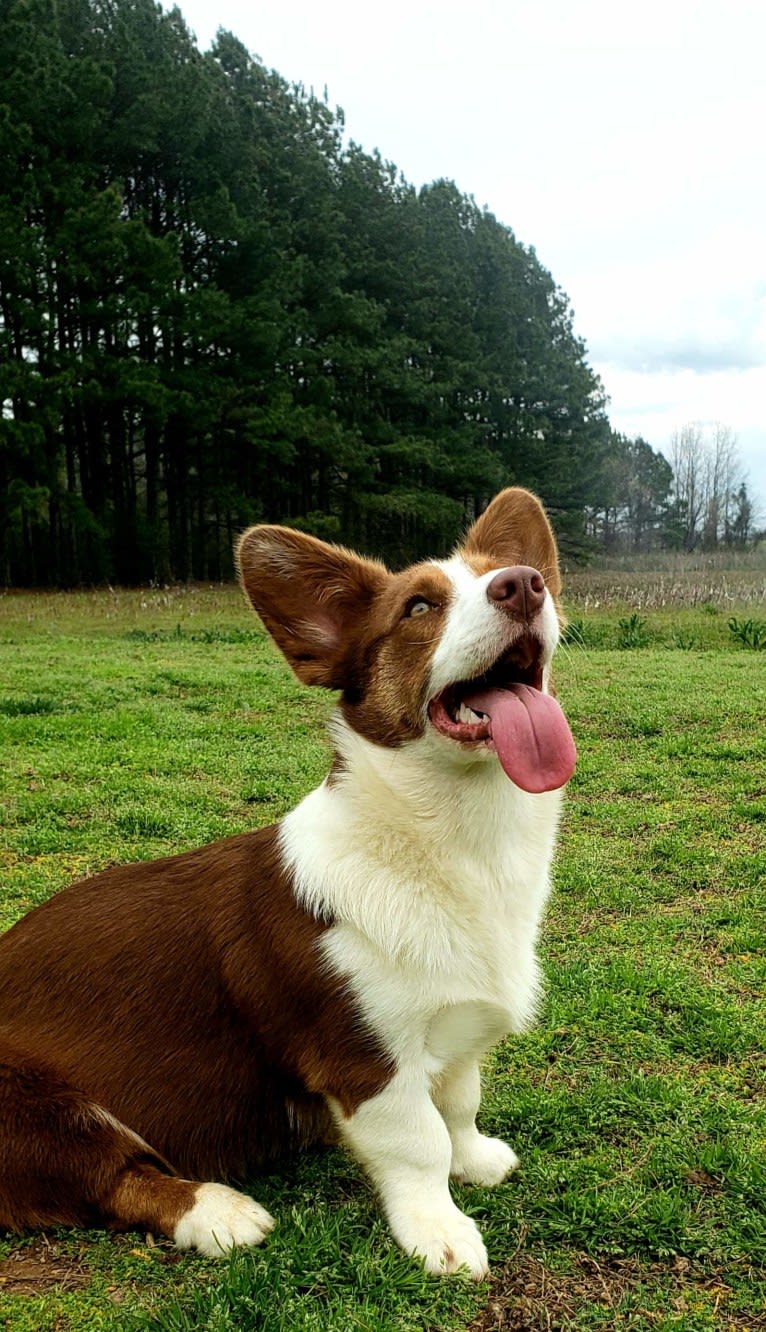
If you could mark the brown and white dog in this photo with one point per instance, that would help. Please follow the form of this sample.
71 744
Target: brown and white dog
343 971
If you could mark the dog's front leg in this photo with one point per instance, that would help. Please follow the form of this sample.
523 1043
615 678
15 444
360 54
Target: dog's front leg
403 1143
476 1159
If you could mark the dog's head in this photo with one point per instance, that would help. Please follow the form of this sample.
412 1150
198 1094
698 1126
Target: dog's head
457 650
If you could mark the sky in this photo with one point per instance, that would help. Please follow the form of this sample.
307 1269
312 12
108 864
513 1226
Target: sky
624 142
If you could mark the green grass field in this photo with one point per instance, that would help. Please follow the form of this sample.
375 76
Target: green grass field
136 724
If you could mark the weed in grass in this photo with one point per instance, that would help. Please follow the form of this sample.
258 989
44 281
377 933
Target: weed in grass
751 633
575 632
141 822
216 634
632 631
684 642
27 707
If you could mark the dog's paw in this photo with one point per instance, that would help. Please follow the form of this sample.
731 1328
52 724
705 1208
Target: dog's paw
486 1161
445 1243
222 1219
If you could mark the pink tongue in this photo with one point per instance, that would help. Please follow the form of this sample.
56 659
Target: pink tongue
531 736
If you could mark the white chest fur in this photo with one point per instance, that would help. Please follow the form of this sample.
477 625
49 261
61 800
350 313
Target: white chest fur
435 890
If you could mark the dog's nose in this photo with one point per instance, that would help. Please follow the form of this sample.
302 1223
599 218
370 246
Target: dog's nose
520 590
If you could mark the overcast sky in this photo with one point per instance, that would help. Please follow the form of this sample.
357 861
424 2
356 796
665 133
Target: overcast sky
625 142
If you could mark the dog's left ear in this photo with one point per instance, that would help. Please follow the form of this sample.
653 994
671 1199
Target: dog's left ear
311 597
514 529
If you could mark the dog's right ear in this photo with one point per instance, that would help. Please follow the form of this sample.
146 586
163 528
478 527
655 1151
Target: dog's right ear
514 529
310 596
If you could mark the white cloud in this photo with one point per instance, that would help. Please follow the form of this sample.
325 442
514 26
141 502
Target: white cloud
655 405
703 307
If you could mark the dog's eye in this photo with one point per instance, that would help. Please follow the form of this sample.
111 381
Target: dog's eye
417 606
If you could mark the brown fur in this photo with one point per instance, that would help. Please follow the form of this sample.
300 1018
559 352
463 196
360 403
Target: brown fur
514 530
186 997
352 631
385 700
311 597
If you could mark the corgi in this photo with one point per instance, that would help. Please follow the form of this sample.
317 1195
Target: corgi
168 1026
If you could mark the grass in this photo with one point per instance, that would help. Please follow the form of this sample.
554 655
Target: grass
134 724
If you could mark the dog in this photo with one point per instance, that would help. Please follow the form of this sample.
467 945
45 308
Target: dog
338 975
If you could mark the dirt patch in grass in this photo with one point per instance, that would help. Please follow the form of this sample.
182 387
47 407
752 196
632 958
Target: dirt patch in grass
38 1267
526 1296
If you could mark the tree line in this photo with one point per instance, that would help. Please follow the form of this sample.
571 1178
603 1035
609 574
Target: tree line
214 311
696 499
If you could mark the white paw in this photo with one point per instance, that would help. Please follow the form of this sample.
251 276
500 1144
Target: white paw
222 1219
486 1161
445 1243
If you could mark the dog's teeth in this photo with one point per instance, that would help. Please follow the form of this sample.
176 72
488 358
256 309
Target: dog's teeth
466 714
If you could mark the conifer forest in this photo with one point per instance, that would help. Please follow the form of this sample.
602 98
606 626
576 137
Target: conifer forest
216 309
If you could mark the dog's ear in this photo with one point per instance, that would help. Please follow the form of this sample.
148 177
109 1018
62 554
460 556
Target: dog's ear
514 529
310 596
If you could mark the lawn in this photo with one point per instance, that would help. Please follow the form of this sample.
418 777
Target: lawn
135 724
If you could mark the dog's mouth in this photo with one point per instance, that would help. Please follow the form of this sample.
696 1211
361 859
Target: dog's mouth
450 711
504 709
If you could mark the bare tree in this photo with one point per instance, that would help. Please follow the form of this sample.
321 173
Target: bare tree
687 458
722 475
707 477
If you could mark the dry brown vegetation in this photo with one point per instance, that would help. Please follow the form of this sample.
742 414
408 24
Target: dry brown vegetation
623 1293
721 579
